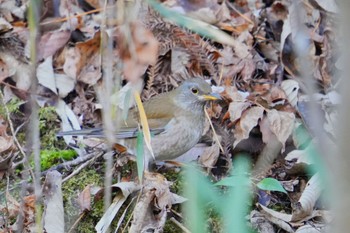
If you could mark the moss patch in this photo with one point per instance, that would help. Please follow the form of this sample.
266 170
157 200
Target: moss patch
50 158
71 190
49 125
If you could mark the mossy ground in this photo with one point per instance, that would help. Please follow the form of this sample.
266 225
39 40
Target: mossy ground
71 190
53 152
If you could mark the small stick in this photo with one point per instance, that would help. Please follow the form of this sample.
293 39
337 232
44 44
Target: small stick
214 132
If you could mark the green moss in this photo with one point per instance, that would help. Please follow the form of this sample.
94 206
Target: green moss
214 221
71 190
129 170
170 227
49 125
49 158
12 106
88 223
177 179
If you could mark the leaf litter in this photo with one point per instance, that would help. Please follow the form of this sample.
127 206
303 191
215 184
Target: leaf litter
250 51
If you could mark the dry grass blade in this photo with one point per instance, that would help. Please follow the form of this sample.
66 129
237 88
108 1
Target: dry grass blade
214 132
144 123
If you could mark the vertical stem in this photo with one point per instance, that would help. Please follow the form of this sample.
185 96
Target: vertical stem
33 135
341 159
106 91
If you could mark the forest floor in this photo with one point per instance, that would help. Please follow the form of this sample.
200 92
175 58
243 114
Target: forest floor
258 166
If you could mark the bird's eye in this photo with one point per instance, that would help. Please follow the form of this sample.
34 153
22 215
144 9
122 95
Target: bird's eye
194 91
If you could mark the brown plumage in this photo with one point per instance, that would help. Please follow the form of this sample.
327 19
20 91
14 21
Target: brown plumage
177 118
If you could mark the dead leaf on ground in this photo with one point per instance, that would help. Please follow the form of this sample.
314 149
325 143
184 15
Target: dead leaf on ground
248 121
84 199
291 88
138 48
306 204
7 146
282 124
125 189
84 57
4 72
209 156
155 201
51 42
53 216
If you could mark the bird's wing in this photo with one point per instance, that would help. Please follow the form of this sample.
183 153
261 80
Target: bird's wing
98 133
158 114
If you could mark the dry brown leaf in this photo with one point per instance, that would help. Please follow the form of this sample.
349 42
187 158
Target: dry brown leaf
282 124
12 206
94 3
265 129
291 88
248 121
29 211
236 109
6 143
51 42
328 5
153 204
138 53
83 56
84 199
53 216
305 206
278 218
71 64
4 71
209 156
238 104
3 126
125 189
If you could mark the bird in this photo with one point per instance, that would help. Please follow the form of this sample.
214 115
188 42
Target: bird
176 118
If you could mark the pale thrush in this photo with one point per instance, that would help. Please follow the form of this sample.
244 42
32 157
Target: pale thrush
177 116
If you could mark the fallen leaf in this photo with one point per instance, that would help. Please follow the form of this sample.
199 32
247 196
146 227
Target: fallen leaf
328 5
45 75
247 122
125 189
305 206
291 88
143 52
84 199
51 42
53 216
236 109
209 156
265 129
4 72
282 124
82 61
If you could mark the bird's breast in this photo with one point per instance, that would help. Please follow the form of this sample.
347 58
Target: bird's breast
180 135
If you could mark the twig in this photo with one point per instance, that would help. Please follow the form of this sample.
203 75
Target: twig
76 16
177 223
13 132
74 162
76 222
239 13
133 211
76 171
123 215
214 132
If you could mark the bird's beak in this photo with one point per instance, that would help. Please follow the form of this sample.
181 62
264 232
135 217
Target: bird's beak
212 96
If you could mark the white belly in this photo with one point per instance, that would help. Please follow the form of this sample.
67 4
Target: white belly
183 136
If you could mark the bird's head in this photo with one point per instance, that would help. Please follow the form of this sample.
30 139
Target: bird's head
193 94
